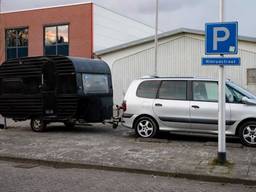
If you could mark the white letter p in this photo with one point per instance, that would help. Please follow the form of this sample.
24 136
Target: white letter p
217 39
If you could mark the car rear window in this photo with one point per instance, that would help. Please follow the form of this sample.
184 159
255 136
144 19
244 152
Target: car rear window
148 89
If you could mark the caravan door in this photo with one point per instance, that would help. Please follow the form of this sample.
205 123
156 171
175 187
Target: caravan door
48 89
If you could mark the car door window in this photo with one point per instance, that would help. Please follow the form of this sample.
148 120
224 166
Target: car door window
173 90
205 91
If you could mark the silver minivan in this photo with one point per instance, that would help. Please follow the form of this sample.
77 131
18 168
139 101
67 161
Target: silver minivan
188 105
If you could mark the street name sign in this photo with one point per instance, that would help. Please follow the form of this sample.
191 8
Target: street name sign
221 61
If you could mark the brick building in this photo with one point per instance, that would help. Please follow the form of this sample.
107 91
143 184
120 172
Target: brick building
76 29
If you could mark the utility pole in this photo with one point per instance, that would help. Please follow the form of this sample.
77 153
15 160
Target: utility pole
222 102
156 38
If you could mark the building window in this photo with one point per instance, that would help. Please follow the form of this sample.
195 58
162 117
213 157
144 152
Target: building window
251 76
16 43
56 40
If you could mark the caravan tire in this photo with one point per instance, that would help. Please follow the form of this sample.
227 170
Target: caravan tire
38 125
69 124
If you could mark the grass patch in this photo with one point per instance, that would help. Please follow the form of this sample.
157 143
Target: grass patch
216 162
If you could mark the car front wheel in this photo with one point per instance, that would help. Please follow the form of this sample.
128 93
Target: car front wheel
146 127
247 133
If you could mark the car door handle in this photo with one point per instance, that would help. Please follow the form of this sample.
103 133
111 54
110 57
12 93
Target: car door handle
195 106
158 105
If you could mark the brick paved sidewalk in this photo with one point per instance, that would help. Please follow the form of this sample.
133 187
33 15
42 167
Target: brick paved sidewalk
102 147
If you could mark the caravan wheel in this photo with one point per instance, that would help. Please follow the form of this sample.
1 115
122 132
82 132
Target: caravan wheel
37 125
69 124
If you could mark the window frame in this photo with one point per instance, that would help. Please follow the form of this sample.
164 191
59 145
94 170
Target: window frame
249 81
187 90
57 32
16 47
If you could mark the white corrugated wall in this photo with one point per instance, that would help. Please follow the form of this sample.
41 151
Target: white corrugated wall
181 56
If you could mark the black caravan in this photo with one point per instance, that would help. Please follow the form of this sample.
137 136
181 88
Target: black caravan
56 89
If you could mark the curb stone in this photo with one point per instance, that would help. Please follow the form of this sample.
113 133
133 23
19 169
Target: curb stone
176 174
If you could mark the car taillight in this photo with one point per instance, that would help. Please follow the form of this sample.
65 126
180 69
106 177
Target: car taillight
124 106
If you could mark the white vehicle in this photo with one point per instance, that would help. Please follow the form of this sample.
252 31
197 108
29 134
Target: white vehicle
188 105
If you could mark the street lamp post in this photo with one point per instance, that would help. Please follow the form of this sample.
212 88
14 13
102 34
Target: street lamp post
222 102
156 39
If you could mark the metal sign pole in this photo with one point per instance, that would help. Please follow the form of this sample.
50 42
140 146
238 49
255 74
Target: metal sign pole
156 38
222 102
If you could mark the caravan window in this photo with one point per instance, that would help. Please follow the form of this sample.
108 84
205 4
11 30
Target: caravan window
95 83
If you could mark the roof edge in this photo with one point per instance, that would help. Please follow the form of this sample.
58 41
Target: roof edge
162 36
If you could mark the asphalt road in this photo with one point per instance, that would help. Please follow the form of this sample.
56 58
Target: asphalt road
18 177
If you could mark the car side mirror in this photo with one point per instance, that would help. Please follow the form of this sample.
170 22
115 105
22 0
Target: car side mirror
248 101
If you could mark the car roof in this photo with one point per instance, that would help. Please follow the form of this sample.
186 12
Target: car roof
177 78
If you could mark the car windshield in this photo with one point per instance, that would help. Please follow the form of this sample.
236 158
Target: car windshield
241 90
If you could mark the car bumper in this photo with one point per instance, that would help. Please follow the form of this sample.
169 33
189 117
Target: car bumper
128 119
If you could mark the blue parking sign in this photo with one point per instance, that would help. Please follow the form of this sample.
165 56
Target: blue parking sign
221 38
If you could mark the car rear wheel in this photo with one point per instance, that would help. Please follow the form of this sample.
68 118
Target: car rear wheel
146 127
247 133
38 125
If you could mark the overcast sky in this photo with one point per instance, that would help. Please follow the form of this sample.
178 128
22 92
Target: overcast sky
188 13
173 13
